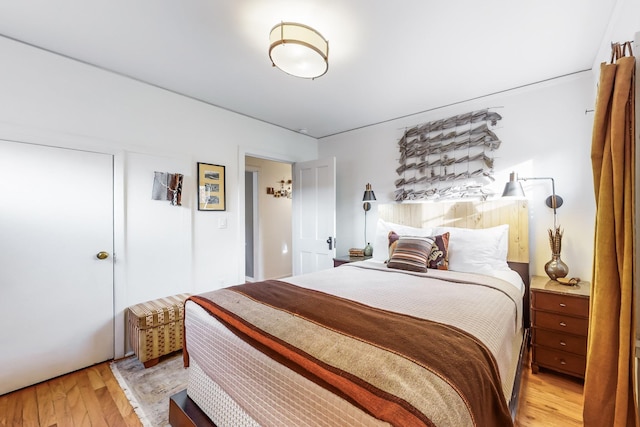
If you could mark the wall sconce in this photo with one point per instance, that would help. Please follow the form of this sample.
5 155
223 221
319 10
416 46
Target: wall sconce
555 268
284 191
514 188
368 197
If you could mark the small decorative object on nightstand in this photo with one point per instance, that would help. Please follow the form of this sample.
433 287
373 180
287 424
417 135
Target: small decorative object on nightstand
337 261
368 250
560 321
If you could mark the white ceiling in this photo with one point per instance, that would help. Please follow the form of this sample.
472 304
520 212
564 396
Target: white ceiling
387 59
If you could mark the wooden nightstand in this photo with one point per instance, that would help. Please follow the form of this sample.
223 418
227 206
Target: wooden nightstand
346 259
559 324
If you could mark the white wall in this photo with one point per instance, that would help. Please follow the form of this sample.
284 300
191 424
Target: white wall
161 249
623 24
544 132
274 220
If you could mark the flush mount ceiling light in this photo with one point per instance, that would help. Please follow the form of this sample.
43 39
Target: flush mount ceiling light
299 50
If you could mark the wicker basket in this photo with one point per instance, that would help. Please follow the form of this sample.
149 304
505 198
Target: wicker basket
155 327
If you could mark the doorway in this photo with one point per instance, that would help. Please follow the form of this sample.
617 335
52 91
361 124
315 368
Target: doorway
268 220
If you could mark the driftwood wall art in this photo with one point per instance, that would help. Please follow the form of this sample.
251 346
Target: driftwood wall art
449 158
167 186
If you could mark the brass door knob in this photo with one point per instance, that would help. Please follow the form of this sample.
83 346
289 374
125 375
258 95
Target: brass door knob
102 255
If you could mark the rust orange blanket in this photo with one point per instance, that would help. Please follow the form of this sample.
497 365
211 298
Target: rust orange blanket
322 336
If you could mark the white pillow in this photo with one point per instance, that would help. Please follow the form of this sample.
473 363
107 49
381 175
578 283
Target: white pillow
477 250
381 240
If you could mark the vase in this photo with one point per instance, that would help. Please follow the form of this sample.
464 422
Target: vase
556 267
368 250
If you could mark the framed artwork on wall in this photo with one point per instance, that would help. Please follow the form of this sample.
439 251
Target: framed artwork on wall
211 188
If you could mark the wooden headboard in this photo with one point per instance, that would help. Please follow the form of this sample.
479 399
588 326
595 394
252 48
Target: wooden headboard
473 214
468 214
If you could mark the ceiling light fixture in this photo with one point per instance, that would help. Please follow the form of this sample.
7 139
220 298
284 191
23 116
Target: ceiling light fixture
298 50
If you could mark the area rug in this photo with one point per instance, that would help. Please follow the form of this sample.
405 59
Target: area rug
149 389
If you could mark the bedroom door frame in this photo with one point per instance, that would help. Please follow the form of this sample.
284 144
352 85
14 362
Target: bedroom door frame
243 153
64 140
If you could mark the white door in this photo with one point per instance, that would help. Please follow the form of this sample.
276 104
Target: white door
56 296
314 215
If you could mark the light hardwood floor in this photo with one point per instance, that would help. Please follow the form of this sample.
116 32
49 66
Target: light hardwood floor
92 397
548 399
89 397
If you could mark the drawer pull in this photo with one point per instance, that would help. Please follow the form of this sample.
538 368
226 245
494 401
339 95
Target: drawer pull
563 324
563 343
562 362
563 304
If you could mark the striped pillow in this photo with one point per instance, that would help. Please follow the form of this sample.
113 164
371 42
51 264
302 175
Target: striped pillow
411 253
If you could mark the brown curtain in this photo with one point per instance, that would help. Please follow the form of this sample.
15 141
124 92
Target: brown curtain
609 386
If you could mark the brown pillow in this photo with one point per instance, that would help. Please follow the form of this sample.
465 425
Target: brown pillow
439 256
411 253
393 241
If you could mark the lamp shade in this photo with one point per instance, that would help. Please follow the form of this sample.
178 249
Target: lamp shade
513 188
369 195
298 50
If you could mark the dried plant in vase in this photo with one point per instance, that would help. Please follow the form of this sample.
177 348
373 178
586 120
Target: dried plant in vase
555 240
556 268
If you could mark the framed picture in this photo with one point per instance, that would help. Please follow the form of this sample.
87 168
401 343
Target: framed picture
211 188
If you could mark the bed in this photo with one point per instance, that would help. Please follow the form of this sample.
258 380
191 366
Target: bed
377 342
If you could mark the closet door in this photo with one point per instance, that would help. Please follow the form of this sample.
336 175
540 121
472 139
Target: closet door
56 262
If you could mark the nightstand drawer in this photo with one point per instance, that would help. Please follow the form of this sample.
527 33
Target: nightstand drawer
557 341
560 361
559 322
561 303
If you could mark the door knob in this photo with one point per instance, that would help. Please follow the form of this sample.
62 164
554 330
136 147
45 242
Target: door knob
331 242
102 255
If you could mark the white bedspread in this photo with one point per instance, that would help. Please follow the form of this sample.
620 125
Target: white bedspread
486 307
